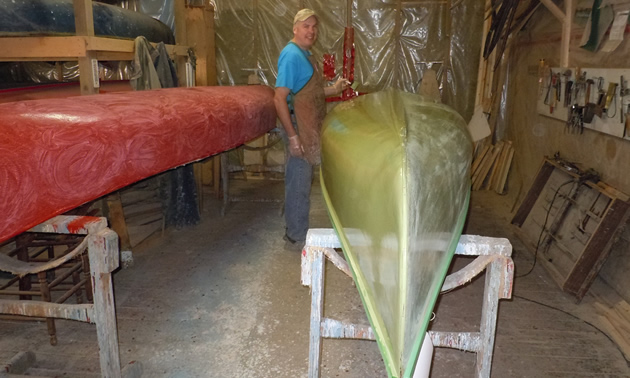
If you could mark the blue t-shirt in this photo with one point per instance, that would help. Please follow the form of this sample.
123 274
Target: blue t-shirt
294 68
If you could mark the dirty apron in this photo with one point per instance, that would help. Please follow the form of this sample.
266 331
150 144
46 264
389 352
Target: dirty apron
309 107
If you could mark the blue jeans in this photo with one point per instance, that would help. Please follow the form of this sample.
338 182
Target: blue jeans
298 177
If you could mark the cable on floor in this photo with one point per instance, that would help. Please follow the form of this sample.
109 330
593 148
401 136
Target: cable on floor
578 318
542 230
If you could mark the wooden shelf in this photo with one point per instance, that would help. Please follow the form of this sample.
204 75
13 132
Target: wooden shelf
87 49
72 48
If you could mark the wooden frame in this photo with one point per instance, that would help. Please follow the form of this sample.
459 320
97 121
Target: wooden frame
591 258
102 247
72 48
493 256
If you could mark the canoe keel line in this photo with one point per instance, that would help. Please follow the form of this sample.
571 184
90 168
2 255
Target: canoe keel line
395 178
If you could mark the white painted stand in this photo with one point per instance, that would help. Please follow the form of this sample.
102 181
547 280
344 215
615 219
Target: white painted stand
494 256
102 248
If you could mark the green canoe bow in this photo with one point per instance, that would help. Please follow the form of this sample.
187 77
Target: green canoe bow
395 178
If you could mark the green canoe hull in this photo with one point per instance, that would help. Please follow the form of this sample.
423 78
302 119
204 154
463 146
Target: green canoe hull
395 178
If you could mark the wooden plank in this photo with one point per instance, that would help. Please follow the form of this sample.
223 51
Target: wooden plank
104 259
71 48
506 170
317 311
200 37
79 312
216 175
117 220
179 10
496 167
42 48
115 45
487 157
558 218
479 159
88 65
596 252
503 160
83 17
534 191
110 44
486 168
612 192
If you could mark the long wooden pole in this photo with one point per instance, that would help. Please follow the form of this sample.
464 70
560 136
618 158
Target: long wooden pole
483 64
566 32
566 18
88 66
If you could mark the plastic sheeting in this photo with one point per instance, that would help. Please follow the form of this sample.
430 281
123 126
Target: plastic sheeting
393 47
159 9
395 178
46 72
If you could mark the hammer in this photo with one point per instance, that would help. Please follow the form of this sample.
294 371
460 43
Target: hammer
587 96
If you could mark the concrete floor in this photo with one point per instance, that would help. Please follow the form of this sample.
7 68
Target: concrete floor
223 299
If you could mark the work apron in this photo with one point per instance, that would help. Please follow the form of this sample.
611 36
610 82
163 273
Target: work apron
309 107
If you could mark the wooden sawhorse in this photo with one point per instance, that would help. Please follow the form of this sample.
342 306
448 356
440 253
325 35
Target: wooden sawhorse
494 256
102 246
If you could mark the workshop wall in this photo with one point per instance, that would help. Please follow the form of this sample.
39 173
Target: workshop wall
394 47
536 136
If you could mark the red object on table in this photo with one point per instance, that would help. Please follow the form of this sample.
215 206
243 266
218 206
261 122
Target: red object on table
57 154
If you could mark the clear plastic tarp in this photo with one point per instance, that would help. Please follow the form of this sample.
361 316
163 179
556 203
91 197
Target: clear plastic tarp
396 41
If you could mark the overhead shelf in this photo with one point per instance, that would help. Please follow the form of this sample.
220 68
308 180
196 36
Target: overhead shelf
72 48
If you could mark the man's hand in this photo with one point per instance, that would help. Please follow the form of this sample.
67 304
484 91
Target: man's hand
295 146
336 88
341 84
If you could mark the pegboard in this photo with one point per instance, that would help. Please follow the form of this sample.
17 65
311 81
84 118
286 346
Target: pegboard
551 99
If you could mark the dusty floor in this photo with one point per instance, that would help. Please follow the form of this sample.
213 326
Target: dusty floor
223 299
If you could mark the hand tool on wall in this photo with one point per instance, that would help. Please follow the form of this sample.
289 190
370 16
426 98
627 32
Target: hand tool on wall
589 107
601 97
579 86
558 87
541 75
566 75
554 93
549 79
610 97
622 93
575 121
568 92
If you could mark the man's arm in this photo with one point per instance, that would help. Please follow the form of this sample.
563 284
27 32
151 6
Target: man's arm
336 88
282 109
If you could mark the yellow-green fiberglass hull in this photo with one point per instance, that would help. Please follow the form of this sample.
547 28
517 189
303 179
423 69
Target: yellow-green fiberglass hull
395 177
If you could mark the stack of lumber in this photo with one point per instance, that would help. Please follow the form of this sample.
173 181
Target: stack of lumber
491 167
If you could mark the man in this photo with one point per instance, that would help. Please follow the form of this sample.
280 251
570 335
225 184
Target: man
300 103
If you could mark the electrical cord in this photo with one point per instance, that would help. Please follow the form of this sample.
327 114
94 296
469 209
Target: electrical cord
578 318
542 230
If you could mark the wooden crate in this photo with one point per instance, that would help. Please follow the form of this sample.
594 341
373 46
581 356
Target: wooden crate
573 222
